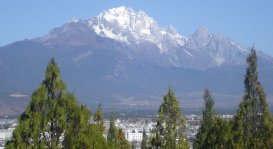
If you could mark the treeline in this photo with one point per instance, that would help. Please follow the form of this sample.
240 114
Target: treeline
54 119
251 127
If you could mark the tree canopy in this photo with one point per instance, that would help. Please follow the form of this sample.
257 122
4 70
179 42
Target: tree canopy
214 132
170 124
54 119
252 126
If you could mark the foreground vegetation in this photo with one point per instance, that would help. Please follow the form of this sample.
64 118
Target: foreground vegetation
54 119
251 127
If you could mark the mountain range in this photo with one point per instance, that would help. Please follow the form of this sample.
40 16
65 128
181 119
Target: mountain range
123 58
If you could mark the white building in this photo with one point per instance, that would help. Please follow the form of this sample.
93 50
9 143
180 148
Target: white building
134 135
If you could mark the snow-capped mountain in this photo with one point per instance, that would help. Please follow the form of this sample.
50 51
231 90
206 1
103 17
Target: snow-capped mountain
126 25
124 56
135 29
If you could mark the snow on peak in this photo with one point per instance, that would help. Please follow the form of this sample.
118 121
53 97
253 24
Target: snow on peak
128 19
133 27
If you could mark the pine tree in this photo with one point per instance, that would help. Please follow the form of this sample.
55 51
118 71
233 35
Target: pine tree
214 132
202 137
219 136
112 134
121 140
253 122
43 121
52 117
170 124
115 137
144 144
83 134
98 118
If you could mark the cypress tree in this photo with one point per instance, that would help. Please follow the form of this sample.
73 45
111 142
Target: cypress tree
111 135
214 132
44 119
202 137
121 140
53 118
253 122
170 124
115 137
98 118
144 144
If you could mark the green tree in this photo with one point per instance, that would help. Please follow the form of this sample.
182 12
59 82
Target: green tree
202 137
252 126
52 116
112 131
121 140
83 134
43 121
144 144
220 134
170 124
98 118
214 132
115 137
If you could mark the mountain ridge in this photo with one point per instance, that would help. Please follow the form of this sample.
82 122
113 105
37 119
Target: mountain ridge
121 73
136 29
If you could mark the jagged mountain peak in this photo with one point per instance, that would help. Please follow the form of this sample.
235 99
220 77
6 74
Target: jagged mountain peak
122 54
134 27
201 31
122 24
137 30
127 18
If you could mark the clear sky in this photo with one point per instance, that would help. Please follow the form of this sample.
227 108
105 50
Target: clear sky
247 22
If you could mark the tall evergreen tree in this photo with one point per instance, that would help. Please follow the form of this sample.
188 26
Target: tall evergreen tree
214 132
170 124
144 144
219 136
43 121
115 137
253 122
112 131
51 116
121 140
82 134
98 118
207 122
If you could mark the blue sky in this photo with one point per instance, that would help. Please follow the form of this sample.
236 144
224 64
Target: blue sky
247 22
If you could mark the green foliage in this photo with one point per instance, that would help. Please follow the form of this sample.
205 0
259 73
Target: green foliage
82 134
98 118
121 140
53 118
219 135
214 132
115 137
112 131
183 143
252 126
203 136
170 124
144 142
